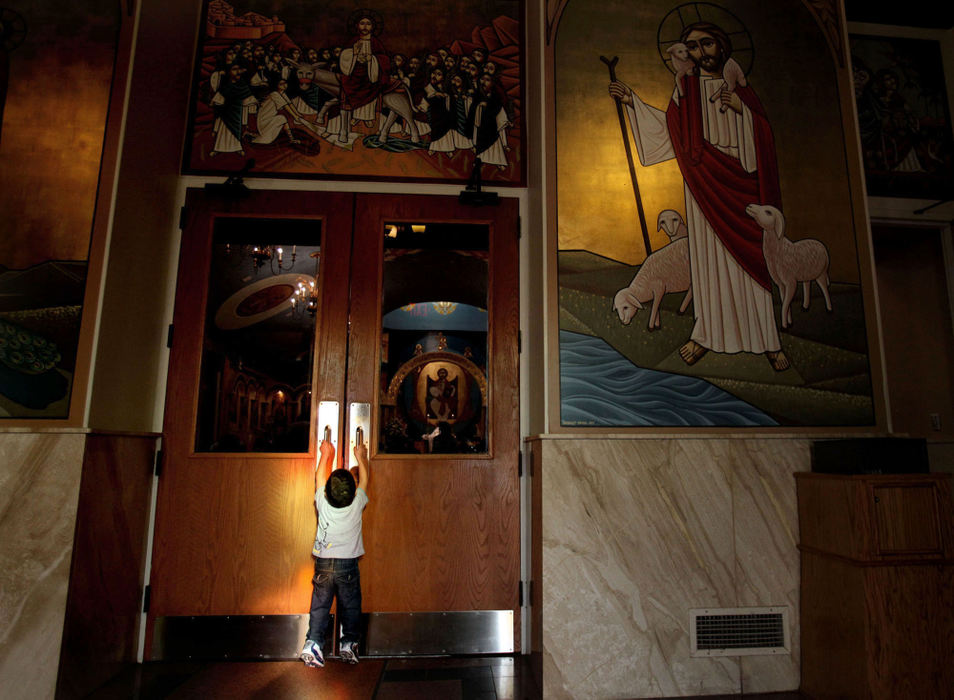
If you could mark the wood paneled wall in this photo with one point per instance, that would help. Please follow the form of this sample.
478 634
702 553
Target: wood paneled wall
101 630
919 355
237 540
876 585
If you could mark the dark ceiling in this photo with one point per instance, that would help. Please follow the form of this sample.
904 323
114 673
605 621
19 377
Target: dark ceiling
927 14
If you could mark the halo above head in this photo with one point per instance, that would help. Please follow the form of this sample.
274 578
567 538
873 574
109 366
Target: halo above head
373 15
672 25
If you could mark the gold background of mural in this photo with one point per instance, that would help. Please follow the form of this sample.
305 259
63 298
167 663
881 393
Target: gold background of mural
795 78
54 121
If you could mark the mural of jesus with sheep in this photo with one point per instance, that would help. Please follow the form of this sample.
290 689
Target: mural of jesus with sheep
723 143
757 201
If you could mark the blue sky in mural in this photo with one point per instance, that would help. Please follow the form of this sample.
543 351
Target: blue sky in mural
437 316
600 387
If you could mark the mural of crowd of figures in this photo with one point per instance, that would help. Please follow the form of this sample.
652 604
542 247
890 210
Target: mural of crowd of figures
903 116
51 146
399 91
708 263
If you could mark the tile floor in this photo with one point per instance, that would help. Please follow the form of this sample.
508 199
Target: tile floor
419 678
450 678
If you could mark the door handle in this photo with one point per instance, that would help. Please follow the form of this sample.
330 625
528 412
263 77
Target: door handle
359 425
328 422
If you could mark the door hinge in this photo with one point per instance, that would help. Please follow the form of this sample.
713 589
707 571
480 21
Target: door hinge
520 463
519 594
169 336
157 467
146 598
519 342
183 214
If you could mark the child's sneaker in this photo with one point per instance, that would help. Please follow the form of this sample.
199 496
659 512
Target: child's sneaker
349 652
311 654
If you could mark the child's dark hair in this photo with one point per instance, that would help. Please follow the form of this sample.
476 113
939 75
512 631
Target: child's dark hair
340 488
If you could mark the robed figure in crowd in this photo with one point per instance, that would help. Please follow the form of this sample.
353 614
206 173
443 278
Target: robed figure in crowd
232 103
365 74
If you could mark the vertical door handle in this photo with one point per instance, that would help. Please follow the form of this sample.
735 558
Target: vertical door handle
359 425
328 412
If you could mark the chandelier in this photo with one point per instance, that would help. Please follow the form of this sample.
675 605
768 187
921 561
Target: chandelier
305 297
262 255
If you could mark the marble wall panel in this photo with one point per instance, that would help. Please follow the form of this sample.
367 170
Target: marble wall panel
39 488
765 514
635 533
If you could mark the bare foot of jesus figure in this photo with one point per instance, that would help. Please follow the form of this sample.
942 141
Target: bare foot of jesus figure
778 361
691 352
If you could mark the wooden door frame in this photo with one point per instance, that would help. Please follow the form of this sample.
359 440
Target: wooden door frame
493 570
184 582
490 511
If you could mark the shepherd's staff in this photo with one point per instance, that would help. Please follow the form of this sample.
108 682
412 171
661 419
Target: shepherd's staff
611 64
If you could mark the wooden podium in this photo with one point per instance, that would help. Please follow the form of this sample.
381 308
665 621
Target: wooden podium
877 585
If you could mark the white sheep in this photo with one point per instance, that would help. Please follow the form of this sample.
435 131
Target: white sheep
791 262
681 63
670 221
732 76
665 270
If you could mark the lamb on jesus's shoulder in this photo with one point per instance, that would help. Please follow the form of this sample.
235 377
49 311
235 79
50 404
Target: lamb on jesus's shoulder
732 77
681 63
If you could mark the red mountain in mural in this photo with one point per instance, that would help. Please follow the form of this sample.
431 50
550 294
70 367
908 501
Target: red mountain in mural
222 23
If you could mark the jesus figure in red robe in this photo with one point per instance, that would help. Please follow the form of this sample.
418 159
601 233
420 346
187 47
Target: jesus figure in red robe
364 74
727 160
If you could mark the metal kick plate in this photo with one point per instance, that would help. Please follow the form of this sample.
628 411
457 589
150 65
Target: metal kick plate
438 633
232 637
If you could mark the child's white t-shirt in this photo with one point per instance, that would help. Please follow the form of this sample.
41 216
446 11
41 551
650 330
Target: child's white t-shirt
339 529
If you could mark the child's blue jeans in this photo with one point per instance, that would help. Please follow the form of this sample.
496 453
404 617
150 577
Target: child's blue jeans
335 577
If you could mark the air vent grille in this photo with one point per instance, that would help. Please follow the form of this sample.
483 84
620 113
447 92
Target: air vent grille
739 631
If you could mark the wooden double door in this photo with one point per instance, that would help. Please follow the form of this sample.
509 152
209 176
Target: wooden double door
306 315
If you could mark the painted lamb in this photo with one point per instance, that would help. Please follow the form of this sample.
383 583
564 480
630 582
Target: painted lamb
681 65
732 77
665 270
790 262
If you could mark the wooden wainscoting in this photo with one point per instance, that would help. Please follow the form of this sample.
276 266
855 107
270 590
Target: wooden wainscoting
101 629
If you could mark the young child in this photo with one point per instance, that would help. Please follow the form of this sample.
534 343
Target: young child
338 544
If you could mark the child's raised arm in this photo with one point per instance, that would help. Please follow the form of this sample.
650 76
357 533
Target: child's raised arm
364 470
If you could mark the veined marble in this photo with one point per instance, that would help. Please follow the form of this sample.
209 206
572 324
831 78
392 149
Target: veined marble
635 533
39 489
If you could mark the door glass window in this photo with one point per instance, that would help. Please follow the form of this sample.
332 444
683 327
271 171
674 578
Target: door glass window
434 339
258 345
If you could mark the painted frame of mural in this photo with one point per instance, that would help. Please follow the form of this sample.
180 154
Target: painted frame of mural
904 115
395 91
710 259
54 184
